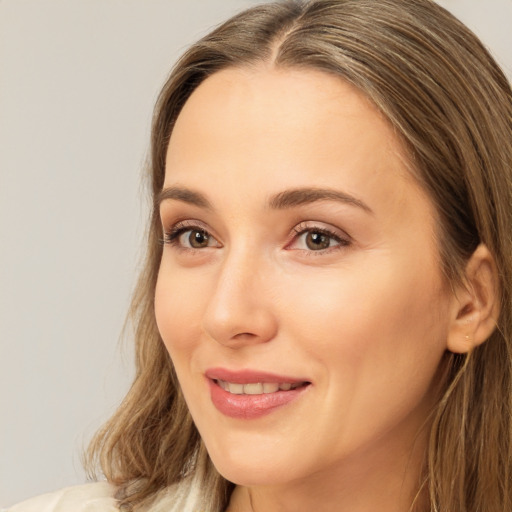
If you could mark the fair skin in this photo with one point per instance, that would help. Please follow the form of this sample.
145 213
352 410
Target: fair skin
341 291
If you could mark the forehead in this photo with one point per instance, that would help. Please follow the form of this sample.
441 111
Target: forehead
281 127
260 103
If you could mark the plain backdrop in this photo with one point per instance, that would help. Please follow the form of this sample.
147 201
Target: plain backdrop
78 79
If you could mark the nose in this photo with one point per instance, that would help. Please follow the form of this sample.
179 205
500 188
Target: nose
240 310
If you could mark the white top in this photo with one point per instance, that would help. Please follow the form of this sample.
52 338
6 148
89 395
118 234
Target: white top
99 497
96 497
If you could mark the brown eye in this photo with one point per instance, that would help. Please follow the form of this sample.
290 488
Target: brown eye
317 241
190 237
195 238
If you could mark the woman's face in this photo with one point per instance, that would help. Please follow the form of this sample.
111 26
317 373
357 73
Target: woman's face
299 294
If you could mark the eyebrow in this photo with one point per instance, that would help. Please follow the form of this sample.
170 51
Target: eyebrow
183 194
301 196
280 201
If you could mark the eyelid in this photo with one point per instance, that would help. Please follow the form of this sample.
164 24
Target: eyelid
186 223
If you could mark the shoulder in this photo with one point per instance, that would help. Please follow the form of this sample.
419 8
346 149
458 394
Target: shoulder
183 496
94 497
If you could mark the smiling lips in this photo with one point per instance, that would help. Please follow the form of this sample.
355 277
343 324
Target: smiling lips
249 394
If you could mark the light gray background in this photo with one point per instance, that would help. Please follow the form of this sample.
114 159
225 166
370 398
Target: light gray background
78 79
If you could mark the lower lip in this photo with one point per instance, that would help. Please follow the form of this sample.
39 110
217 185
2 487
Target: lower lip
250 407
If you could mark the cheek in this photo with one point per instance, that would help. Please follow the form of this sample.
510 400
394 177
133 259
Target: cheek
376 294
178 306
382 328
377 344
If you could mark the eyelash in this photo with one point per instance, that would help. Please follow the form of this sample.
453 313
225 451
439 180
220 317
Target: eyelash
172 236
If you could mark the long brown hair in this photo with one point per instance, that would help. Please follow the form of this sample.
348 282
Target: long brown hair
452 107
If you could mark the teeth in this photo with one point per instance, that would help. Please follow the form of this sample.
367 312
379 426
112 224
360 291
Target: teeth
253 389
256 388
270 387
236 389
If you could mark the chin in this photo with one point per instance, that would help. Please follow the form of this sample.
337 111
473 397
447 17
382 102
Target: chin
252 475
255 464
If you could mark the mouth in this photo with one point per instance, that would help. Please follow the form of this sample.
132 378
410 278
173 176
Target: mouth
257 388
252 394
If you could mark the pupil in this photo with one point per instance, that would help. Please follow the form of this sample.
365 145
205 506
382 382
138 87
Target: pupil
317 241
198 239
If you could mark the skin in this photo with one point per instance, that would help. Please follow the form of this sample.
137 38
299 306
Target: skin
365 321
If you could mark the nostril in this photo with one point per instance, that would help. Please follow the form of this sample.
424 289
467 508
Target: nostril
241 326
244 335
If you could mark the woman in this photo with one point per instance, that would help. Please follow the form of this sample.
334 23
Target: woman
324 319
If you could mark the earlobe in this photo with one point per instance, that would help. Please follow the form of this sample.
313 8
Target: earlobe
476 305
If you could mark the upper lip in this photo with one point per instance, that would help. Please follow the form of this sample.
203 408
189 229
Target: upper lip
248 376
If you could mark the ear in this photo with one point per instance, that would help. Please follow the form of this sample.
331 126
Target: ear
475 305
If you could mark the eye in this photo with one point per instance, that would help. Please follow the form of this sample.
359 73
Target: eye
190 237
317 239
194 238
